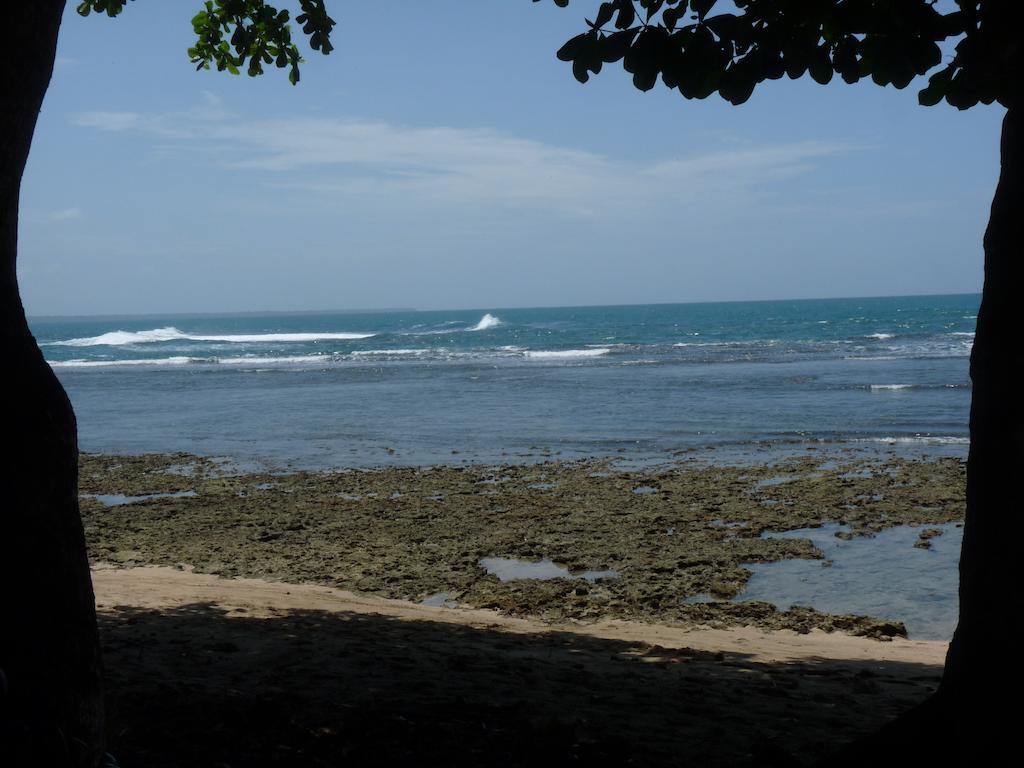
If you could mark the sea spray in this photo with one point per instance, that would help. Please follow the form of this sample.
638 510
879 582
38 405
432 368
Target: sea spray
487 322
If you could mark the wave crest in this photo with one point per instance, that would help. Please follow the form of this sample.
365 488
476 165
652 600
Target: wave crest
487 322
565 354
170 333
121 338
891 387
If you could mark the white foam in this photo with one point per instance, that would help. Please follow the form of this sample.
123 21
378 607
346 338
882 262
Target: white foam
487 322
564 354
962 333
396 352
260 338
751 343
246 361
120 338
290 360
880 387
917 440
170 333
115 363
879 336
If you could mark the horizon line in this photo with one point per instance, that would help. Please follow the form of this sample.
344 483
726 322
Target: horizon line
387 310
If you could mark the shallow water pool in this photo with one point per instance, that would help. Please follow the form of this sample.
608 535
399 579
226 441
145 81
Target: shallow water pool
117 499
507 569
884 576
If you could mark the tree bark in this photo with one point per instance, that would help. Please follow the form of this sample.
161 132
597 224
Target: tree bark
982 656
51 708
973 719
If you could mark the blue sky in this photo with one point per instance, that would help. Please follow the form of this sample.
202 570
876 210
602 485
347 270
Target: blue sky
442 157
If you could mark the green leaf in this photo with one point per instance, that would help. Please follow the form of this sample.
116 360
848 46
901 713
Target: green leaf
960 93
604 14
796 62
701 7
626 17
820 67
645 80
616 45
571 49
579 70
932 94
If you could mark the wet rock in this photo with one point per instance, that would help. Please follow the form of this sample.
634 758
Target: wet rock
406 531
924 538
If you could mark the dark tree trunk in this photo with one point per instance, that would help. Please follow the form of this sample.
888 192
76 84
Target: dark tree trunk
982 656
973 720
52 711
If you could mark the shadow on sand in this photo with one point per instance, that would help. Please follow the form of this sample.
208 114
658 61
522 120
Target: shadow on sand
196 687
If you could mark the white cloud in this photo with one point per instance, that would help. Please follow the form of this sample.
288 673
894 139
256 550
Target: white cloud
120 122
361 158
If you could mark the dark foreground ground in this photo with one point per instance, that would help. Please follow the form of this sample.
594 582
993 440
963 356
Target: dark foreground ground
196 685
192 687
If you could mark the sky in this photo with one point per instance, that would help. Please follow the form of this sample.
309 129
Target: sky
442 158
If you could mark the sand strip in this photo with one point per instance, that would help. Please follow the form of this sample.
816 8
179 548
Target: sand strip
157 588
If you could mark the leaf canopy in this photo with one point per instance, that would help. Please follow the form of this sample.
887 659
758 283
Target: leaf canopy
700 47
233 35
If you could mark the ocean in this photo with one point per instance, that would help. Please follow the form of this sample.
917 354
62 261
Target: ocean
330 389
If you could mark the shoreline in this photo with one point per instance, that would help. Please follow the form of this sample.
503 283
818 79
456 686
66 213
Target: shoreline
163 588
742 453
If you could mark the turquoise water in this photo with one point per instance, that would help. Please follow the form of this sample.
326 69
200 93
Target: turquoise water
335 389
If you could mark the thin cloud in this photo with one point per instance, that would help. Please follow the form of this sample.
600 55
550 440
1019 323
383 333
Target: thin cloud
123 122
65 214
361 158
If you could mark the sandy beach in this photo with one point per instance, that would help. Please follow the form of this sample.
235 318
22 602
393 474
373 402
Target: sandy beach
255 618
204 670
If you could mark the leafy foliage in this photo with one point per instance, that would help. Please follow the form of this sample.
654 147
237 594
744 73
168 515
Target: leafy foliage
750 41
230 33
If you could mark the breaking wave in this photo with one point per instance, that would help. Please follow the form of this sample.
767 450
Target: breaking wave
564 354
915 440
109 363
892 387
487 322
124 338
